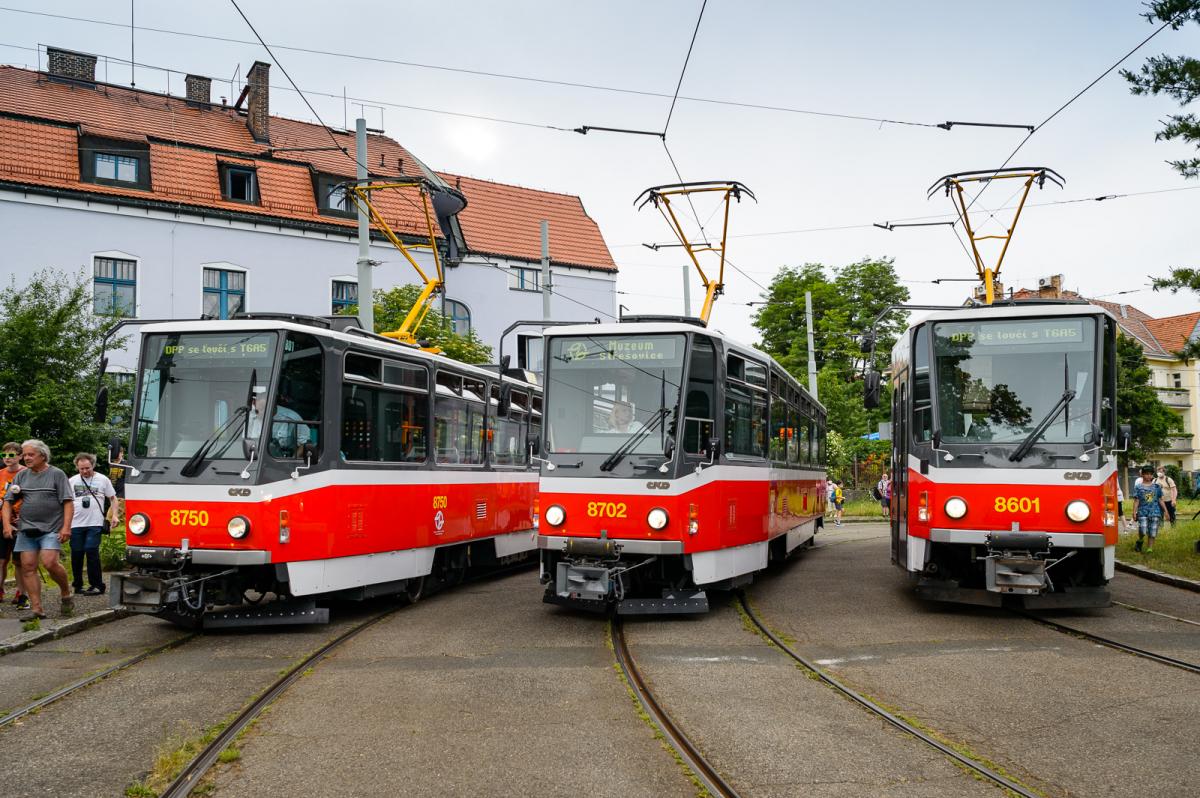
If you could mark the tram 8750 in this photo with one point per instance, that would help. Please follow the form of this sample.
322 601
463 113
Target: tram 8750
296 458
1004 429
676 461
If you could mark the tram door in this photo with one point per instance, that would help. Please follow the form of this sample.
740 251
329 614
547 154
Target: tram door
898 507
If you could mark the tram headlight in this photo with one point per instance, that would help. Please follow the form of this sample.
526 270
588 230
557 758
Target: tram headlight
555 515
1078 511
138 524
657 518
955 507
238 527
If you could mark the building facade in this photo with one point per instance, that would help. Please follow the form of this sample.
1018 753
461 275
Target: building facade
177 207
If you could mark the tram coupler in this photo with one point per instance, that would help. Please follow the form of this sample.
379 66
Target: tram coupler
673 602
1016 562
274 613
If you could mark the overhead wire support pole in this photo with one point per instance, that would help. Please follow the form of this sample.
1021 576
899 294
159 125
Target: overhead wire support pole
366 295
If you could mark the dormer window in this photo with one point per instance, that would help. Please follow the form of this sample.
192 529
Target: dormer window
332 197
111 161
239 183
119 168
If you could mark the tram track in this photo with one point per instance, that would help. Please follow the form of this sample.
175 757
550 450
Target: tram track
896 721
1117 645
87 681
691 756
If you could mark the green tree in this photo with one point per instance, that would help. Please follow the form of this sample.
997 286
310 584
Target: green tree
391 306
1178 77
49 354
1138 404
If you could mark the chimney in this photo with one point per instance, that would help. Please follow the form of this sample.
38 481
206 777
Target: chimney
199 90
1124 311
71 65
258 102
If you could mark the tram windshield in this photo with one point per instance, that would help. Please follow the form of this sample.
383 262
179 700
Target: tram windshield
997 381
610 392
195 389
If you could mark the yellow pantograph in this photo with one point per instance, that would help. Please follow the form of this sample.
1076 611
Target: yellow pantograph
661 197
953 186
361 196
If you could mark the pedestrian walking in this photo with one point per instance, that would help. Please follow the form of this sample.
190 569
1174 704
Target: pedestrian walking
117 470
93 496
10 454
1149 508
47 508
1170 492
839 502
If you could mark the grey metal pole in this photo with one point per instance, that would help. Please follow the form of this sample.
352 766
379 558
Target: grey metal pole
812 354
366 294
545 269
687 291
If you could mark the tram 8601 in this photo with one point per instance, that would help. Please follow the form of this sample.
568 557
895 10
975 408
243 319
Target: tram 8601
676 461
304 458
1004 427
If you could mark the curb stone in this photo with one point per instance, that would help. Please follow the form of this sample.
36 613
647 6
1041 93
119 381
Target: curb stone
70 627
1159 576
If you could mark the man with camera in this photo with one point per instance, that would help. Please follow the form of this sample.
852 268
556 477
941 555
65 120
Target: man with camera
93 495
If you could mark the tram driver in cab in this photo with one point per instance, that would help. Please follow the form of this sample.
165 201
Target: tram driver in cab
287 435
620 418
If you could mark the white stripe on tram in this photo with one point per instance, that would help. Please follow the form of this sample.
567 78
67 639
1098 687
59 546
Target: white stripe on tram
1015 476
640 486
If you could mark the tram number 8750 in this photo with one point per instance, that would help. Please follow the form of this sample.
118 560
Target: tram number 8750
1014 505
606 509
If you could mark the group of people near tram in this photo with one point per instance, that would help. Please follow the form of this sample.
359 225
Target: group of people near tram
43 509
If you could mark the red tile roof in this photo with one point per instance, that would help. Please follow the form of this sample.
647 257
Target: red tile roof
1174 332
41 120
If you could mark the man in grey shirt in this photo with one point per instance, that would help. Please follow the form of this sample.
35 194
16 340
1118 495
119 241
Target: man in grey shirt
47 507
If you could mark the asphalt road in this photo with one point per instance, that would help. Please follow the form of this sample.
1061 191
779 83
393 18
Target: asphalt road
1062 714
482 690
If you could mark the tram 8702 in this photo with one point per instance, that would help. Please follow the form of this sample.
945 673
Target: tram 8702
676 461
302 458
1004 429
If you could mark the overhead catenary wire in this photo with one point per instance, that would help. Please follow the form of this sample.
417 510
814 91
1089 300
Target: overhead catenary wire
477 72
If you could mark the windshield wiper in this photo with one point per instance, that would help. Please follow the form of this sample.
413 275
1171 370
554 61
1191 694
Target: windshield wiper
633 440
1042 426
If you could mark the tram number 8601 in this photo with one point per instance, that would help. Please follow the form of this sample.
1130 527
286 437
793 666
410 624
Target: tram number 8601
1012 504
606 509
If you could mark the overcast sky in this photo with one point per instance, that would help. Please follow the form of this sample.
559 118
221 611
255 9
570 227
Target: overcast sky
927 62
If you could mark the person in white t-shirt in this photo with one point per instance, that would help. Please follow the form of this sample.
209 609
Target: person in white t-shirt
94 495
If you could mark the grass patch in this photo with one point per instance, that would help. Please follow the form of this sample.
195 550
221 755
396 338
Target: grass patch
1174 550
170 761
230 754
32 626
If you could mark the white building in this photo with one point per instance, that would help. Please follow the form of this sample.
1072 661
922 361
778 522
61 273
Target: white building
176 208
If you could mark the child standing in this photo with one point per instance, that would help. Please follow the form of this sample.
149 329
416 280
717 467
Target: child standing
1149 508
839 502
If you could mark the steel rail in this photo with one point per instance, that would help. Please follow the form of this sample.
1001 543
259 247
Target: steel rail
712 781
1168 616
189 778
1162 659
63 692
875 709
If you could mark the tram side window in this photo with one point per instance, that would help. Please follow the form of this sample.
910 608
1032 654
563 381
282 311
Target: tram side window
780 429
922 405
458 423
508 438
698 421
380 425
745 409
297 416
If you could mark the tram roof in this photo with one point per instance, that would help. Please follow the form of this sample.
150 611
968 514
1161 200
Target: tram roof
1013 311
375 343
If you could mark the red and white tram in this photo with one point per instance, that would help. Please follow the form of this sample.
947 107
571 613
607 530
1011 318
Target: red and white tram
1004 426
379 466
676 461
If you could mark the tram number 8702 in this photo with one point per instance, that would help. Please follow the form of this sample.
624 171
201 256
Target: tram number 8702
1014 505
606 509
